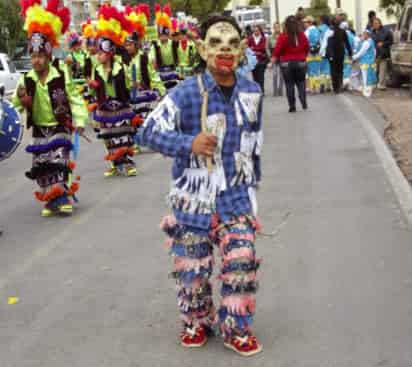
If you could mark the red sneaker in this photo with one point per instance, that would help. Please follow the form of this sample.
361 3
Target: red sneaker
193 337
245 346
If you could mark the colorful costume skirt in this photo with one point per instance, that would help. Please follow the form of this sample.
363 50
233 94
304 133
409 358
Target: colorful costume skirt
192 251
144 101
116 121
169 76
52 168
314 72
347 70
325 78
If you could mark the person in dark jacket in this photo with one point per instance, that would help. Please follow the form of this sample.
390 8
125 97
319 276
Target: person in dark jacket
383 38
257 43
292 48
335 53
300 15
371 18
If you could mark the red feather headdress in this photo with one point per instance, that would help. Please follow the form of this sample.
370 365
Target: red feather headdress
113 25
51 21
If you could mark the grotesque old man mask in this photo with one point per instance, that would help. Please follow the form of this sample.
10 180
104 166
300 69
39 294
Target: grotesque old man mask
222 48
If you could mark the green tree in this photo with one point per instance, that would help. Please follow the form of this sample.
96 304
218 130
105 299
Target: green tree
255 2
318 8
200 9
392 7
11 26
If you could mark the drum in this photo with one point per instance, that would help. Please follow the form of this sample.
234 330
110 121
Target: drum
11 129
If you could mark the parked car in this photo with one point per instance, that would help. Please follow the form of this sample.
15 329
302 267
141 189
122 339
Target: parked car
8 74
401 51
22 64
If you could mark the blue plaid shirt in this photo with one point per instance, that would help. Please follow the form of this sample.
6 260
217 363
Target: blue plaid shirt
171 129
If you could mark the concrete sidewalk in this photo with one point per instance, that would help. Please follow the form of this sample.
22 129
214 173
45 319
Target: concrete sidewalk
336 282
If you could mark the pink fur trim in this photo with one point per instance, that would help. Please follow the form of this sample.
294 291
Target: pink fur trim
186 264
169 221
237 253
233 278
168 244
241 305
225 240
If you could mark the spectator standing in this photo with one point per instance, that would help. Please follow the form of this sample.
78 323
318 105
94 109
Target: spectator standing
371 18
277 73
340 15
292 48
300 15
383 39
335 52
257 43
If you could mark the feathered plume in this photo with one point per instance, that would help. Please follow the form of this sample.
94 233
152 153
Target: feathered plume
183 25
138 16
157 8
163 16
174 25
113 25
51 21
88 30
167 10
73 38
145 9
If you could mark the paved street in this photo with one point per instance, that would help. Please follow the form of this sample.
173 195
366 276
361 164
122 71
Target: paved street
336 281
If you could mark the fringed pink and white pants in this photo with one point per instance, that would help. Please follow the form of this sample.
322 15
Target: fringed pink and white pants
192 251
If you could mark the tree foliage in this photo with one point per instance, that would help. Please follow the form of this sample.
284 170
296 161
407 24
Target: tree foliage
255 2
318 8
200 9
392 7
11 26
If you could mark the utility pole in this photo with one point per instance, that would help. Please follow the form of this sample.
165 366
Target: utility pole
359 15
277 15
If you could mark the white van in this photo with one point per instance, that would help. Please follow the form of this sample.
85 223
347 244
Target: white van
249 16
9 76
401 51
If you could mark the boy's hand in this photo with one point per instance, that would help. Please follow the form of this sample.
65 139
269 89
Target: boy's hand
204 144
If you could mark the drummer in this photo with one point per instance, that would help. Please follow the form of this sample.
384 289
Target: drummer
54 111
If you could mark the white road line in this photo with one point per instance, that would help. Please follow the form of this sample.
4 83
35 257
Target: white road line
400 184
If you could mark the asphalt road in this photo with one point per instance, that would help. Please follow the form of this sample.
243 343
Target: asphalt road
336 282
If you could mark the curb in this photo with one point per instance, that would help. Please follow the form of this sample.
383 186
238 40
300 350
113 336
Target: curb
399 183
